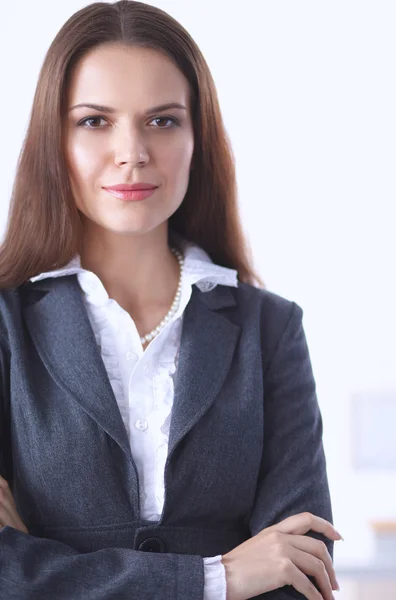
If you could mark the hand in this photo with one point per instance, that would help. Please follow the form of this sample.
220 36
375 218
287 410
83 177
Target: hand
8 512
282 555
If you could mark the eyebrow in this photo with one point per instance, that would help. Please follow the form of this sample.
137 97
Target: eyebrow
108 109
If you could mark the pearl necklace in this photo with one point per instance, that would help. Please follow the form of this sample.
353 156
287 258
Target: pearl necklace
173 309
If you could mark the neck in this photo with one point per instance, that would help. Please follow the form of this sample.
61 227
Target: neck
140 271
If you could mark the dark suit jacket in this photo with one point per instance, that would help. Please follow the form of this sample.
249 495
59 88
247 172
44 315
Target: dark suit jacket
245 446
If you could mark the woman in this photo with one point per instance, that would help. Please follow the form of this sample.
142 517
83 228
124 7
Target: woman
147 451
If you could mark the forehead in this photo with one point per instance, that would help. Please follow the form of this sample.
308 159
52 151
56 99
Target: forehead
119 75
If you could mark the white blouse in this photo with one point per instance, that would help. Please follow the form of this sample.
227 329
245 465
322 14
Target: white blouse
143 380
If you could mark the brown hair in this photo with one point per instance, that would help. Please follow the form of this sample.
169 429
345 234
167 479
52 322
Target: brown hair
44 229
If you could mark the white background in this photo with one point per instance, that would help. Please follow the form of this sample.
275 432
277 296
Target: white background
308 96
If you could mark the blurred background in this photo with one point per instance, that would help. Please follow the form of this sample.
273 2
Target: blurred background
308 96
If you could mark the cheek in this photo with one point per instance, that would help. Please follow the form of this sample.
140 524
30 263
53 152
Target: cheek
84 160
177 159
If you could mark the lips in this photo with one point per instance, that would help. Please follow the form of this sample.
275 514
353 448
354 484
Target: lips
131 195
125 187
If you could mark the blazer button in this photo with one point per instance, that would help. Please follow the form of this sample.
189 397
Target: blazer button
152 544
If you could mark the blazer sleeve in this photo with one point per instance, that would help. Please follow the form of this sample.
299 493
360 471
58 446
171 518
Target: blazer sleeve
33 568
36 568
293 476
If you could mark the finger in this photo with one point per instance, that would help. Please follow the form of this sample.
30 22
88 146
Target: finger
8 511
304 522
12 519
301 583
3 483
318 549
310 565
6 517
6 498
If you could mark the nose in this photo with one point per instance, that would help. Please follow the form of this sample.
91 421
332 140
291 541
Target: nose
130 149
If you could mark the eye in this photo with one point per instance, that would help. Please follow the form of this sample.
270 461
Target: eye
173 121
84 122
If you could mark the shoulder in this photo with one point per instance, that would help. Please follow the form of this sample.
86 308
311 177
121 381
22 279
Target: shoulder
268 318
269 307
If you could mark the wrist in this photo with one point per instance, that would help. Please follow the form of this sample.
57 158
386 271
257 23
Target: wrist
232 584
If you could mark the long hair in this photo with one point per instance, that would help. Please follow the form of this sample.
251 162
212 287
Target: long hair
44 229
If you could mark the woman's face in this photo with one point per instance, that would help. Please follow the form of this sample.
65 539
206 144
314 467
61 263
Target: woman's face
133 142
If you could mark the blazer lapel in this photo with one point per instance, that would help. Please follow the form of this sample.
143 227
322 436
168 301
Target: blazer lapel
58 323
207 347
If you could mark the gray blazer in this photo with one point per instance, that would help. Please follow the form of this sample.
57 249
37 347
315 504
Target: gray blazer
245 446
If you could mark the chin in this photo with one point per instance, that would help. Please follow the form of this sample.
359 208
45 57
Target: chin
132 228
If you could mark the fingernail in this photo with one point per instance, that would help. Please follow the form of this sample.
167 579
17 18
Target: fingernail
338 533
336 586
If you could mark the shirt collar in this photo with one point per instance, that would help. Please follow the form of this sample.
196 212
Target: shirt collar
198 269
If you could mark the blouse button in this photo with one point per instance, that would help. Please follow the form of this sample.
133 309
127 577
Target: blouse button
141 425
131 356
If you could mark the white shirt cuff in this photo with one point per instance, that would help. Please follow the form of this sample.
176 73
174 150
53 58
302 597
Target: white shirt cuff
215 585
